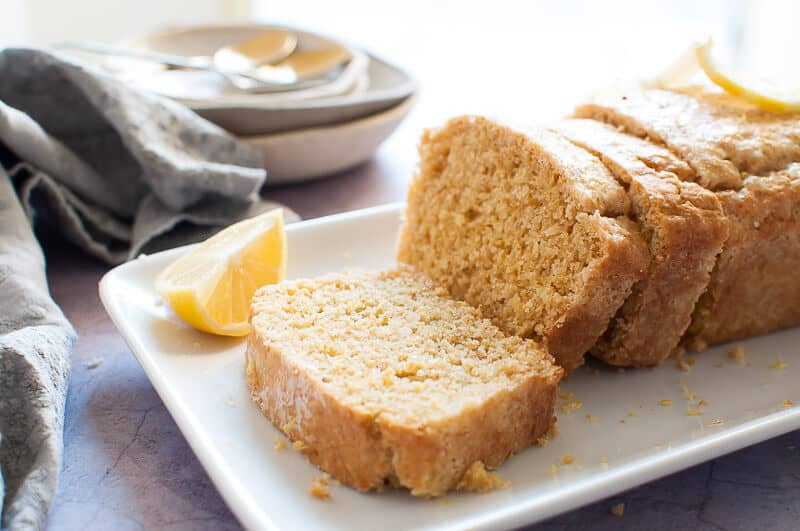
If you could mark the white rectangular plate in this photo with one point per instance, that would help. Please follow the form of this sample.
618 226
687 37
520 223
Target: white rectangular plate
621 436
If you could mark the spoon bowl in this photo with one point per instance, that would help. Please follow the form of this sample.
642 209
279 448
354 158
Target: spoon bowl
268 47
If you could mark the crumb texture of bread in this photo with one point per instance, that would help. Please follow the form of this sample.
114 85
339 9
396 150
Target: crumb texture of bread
720 136
389 382
526 226
685 228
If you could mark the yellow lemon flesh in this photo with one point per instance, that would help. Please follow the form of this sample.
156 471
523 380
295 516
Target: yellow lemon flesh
763 94
210 286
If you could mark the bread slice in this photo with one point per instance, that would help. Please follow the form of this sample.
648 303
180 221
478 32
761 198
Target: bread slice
755 287
685 228
719 135
382 379
526 226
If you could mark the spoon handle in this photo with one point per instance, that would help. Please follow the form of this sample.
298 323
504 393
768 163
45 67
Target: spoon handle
200 63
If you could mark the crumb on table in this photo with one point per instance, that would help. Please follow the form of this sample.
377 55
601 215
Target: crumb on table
618 509
478 479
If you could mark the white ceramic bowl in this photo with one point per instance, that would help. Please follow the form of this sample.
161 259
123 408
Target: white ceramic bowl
321 151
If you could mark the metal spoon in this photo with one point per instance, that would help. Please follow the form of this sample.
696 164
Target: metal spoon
235 62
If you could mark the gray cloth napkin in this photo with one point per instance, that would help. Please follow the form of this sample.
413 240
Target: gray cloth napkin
118 172
35 342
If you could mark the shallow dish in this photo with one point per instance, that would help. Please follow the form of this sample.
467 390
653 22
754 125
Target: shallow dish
306 154
620 436
367 85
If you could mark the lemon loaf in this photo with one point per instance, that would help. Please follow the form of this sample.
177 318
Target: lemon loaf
526 226
685 228
383 380
748 156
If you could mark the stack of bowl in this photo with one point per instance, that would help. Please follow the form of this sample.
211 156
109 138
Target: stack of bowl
334 122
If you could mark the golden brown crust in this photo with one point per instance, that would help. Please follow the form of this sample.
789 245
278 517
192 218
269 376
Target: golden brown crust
754 288
369 436
685 229
717 134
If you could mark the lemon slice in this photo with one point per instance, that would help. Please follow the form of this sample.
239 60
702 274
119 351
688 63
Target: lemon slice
763 94
210 286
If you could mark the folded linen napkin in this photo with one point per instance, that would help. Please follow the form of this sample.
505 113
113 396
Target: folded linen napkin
118 172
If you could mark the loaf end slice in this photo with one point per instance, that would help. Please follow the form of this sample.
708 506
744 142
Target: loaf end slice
383 380
754 288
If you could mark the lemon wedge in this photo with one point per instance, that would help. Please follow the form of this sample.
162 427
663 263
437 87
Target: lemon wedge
210 286
763 94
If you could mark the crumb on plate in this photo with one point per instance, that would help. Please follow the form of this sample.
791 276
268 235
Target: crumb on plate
320 488
572 405
688 395
737 354
788 403
280 443
95 363
779 364
665 403
478 479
